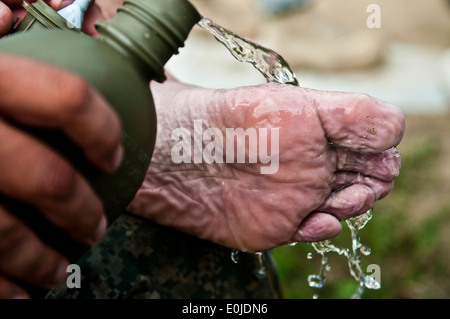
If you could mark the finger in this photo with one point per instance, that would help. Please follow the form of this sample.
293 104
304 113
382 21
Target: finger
93 15
384 165
317 226
6 19
61 100
25 257
379 187
359 122
34 174
55 4
20 11
15 3
349 202
10 290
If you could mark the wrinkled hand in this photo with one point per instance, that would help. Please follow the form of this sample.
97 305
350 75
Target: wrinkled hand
33 173
335 160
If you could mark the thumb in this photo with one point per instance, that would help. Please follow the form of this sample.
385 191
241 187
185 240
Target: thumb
93 15
6 19
359 122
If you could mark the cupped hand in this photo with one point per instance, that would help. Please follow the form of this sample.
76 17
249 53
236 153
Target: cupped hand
335 153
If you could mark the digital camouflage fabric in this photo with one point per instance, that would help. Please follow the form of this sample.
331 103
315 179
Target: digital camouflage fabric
140 259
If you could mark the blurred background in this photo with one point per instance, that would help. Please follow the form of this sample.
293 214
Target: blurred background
407 62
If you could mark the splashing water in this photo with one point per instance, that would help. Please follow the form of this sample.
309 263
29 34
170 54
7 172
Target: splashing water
353 258
275 69
235 256
260 271
271 65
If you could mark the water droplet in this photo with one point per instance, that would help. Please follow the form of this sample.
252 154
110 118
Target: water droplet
261 269
359 292
397 153
235 256
292 244
316 281
309 256
315 296
371 283
261 273
366 251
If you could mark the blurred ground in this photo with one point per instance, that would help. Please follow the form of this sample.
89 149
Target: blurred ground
330 47
406 62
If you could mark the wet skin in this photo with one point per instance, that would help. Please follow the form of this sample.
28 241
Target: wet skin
335 160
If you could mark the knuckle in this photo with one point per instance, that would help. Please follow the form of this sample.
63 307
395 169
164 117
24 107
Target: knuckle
44 271
91 221
12 234
56 179
74 95
111 143
367 199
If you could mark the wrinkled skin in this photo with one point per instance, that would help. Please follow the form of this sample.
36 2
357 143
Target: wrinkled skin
335 160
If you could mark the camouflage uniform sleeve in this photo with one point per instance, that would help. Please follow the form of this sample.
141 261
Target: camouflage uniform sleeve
140 259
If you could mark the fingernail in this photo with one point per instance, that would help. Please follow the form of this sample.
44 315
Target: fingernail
100 231
117 157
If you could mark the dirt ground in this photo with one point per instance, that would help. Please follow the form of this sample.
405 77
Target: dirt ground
434 128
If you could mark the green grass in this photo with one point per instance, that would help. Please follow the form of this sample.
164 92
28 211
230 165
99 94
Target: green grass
408 245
